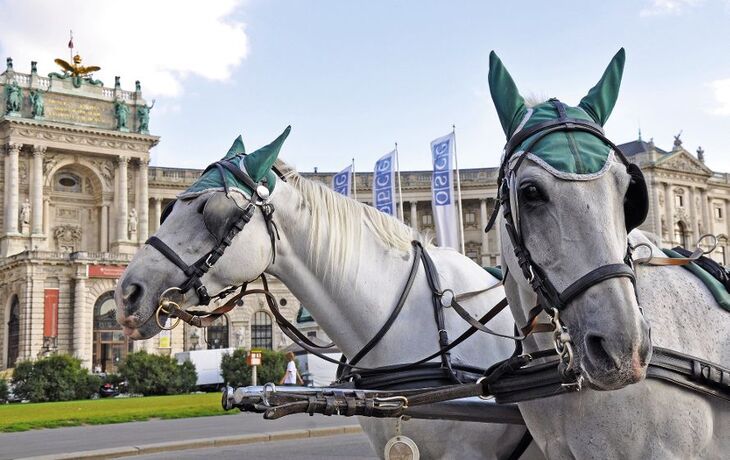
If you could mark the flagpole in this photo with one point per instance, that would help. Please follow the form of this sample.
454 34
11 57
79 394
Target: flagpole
458 191
354 181
400 190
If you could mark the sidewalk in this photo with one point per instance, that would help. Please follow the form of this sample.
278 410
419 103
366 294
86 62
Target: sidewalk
160 435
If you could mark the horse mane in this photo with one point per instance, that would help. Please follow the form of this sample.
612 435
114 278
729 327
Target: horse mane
336 230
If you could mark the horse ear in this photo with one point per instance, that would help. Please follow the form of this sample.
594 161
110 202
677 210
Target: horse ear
236 149
600 100
260 162
510 105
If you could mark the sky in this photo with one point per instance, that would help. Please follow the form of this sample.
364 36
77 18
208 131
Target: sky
354 78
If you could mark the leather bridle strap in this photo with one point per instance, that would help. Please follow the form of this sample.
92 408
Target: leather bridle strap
594 277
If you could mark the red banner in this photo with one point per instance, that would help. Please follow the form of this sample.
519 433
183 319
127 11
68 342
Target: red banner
50 313
106 271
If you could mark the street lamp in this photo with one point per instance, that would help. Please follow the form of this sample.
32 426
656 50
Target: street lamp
194 340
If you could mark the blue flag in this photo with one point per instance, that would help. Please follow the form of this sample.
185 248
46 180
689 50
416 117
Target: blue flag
341 182
384 184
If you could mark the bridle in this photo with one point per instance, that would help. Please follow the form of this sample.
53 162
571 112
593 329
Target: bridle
224 219
549 299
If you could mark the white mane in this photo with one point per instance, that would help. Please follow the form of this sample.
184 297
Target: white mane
337 221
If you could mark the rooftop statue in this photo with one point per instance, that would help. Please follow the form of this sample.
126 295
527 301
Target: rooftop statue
143 115
121 111
76 72
37 106
13 98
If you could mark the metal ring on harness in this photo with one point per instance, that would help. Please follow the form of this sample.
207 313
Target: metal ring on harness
268 388
166 301
714 243
163 308
389 401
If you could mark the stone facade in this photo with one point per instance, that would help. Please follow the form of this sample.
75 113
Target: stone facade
80 198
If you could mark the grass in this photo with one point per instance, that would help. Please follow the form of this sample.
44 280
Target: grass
22 417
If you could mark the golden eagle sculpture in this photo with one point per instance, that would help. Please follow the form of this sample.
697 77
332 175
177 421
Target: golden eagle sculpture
76 69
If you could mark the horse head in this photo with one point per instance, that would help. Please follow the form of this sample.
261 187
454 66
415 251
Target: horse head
184 261
569 198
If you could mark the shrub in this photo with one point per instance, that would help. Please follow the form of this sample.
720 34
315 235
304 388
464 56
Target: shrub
3 390
236 372
54 378
150 374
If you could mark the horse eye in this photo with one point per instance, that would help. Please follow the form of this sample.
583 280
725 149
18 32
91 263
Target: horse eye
531 192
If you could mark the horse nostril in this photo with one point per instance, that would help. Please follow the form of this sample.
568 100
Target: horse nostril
598 351
131 294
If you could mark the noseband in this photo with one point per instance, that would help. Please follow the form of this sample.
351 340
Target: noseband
223 236
550 299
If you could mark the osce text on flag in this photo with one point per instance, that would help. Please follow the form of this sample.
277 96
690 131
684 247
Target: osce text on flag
442 173
341 181
383 185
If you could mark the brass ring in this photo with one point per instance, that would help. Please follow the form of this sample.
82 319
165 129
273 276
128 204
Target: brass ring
162 309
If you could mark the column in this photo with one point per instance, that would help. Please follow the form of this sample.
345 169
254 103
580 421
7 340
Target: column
142 192
483 218
81 326
36 190
657 212
47 216
414 215
156 213
11 188
122 199
727 221
704 204
693 215
104 228
669 213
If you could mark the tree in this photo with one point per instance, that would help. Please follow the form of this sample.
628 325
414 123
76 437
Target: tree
54 378
237 373
157 375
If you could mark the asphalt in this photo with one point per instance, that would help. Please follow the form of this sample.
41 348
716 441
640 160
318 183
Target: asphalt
138 438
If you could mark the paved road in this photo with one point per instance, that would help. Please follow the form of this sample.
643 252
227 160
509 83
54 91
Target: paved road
351 447
74 439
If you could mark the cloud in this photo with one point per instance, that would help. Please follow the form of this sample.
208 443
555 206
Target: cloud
721 88
159 42
674 7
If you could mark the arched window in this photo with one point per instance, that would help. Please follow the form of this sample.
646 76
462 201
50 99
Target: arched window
680 234
66 181
261 334
110 344
13 332
217 333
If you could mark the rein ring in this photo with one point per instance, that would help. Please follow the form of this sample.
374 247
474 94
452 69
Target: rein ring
712 247
163 308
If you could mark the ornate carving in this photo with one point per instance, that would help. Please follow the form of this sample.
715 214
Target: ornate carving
661 198
682 163
50 162
106 169
67 213
68 237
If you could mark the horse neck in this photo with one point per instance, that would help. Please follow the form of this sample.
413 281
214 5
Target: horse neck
351 306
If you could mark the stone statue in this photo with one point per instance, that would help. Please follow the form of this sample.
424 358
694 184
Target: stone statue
13 97
137 86
143 115
677 140
25 213
37 106
121 111
132 224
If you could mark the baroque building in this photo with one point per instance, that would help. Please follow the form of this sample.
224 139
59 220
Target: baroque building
79 198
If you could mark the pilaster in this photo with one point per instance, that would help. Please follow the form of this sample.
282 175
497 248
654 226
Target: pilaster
414 215
483 218
11 189
143 205
36 190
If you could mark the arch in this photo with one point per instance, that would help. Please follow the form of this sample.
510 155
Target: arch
84 167
13 332
262 334
110 346
680 235
218 334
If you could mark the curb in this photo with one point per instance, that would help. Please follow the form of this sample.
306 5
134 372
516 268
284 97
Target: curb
144 449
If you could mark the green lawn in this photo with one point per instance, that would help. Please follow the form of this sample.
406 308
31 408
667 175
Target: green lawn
22 417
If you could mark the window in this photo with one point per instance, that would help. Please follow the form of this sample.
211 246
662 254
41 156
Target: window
427 220
67 182
261 335
217 333
679 201
470 218
718 213
110 344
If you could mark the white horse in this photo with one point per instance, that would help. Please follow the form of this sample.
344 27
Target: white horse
348 263
572 220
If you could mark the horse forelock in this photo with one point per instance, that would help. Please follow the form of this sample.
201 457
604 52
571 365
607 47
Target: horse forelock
336 231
